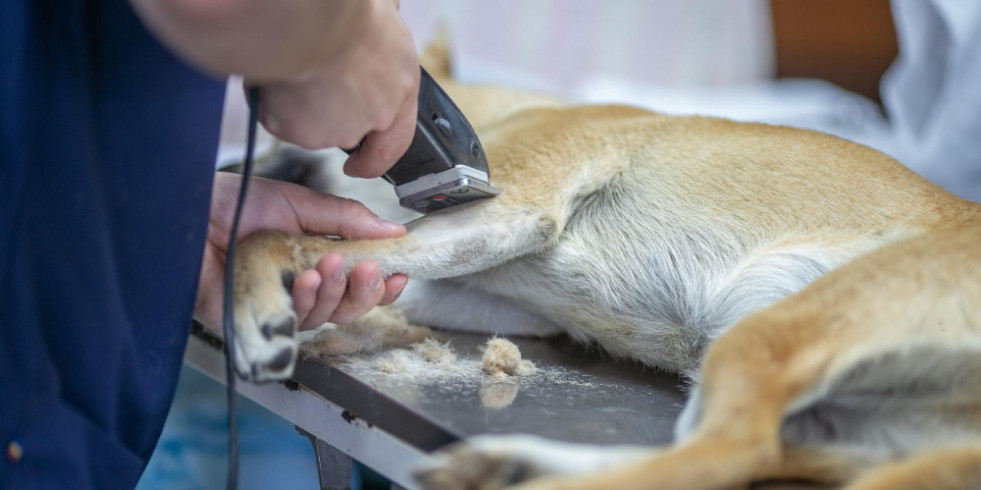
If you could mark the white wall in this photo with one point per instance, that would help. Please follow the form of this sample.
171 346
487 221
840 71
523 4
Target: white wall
556 45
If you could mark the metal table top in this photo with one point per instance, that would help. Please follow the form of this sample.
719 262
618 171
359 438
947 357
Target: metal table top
577 395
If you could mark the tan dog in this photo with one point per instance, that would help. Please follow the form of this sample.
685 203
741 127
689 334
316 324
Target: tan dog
823 297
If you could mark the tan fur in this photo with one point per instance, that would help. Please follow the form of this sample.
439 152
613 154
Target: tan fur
682 242
756 369
943 469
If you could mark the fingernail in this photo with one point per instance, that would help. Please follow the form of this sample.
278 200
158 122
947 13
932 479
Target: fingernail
375 282
389 225
338 275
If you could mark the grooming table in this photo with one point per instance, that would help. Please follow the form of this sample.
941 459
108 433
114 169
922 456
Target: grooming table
390 423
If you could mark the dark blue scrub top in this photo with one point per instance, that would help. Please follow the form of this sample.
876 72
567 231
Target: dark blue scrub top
107 144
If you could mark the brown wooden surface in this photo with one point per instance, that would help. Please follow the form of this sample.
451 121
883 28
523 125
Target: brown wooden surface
847 42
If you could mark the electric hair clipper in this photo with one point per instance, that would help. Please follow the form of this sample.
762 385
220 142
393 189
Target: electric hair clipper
445 165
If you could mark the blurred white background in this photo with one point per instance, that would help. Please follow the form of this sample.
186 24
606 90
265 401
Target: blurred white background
557 45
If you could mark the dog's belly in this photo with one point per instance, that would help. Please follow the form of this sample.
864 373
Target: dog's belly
612 305
650 301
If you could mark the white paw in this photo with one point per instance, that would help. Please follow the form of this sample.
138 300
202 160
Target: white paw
265 343
494 462
483 462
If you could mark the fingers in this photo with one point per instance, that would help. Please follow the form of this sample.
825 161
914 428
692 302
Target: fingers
324 214
381 149
365 290
325 294
393 288
390 139
315 306
304 295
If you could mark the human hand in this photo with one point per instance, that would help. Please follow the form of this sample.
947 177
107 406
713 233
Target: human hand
331 72
319 295
366 86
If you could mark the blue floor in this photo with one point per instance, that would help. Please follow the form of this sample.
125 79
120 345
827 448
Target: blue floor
193 450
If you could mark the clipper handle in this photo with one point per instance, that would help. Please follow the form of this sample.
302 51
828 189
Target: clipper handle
443 138
445 164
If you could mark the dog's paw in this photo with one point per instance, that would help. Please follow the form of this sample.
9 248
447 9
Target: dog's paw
484 462
265 328
530 462
494 462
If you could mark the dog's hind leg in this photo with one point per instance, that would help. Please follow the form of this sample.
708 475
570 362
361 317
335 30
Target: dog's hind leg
453 242
746 388
941 469
745 391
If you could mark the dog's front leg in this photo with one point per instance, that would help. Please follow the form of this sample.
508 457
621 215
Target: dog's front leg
450 243
454 242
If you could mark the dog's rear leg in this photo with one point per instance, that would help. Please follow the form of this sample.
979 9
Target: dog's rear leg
450 243
942 469
749 377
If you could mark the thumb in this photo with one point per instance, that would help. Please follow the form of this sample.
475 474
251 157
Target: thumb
325 214
380 150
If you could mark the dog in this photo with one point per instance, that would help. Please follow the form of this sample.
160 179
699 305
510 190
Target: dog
822 298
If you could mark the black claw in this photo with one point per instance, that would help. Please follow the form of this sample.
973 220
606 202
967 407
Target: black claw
286 329
287 276
281 361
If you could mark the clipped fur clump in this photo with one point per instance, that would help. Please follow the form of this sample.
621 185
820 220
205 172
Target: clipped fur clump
432 350
425 357
381 328
398 361
503 358
526 367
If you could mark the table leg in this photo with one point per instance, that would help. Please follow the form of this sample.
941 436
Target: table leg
333 466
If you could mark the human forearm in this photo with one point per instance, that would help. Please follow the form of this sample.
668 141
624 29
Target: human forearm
332 72
263 40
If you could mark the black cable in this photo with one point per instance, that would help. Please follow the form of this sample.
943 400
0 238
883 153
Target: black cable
228 320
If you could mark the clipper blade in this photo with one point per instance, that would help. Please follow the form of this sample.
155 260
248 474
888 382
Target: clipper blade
458 185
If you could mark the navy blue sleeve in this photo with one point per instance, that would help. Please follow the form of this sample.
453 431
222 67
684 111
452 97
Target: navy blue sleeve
107 143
